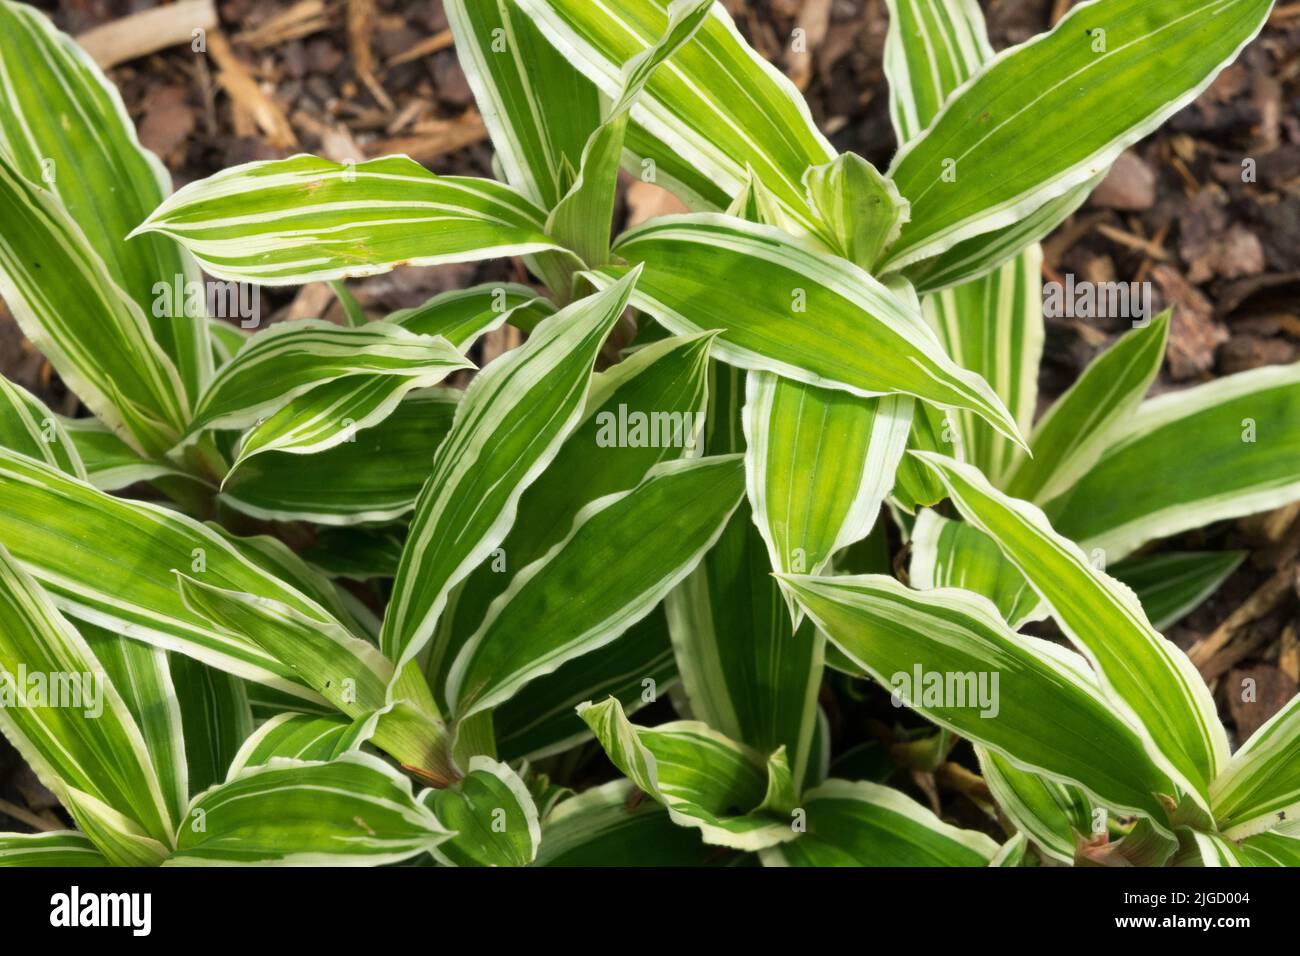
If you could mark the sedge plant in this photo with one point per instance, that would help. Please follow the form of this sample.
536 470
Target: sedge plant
363 617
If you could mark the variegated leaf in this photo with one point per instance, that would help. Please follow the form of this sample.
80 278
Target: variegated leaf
64 125
866 339
864 824
623 554
304 219
1137 61
1149 680
509 426
353 811
706 781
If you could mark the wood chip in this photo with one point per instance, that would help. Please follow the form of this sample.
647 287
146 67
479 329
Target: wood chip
434 139
810 31
426 47
149 31
251 103
648 200
301 20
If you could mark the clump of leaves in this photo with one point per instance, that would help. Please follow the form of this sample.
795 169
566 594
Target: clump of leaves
494 579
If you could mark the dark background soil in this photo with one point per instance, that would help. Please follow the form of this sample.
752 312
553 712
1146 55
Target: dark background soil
351 79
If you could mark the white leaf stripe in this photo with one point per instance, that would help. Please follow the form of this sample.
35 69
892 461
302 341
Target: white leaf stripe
994 327
353 811
932 48
1260 787
703 779
309 353
375 477
62 848
1081 424
862 823
811 499
1052 719
1195 448
536 127
142 676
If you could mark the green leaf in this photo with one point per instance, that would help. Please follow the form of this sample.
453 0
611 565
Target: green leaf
301 737
1047 714
610 825
1273 849
932 48
994 327
353 811
508 427
624 553
818 464
361 554
954 554
56 527
27 426
1080 425
538 128
714 111
1054 815
493 815
1186 459
64 125
728 623
866 340
861 210
333 413
374 476
703 779
73 309
345 670
645 410
462 315
865 824
67 720
636 669
215 717
1127 65
1260 787
110 463
582 219
975 258
304 219
1170 586
1148 679
61 848
290 359
141 674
